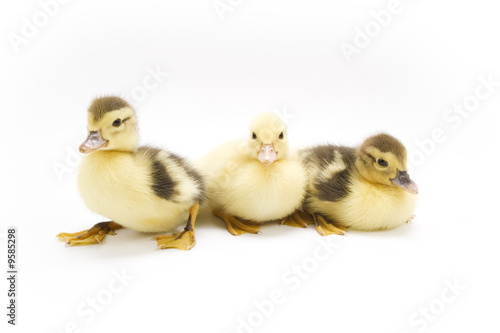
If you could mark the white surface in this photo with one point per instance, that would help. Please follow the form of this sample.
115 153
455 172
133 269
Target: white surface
265 55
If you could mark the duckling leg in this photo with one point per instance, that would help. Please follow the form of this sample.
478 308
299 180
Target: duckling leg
184 240
298 219
326 228
235 226
94 235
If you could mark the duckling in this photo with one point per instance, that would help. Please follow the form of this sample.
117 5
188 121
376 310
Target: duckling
363 188
256 180
141 188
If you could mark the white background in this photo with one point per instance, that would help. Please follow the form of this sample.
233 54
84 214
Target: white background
264 55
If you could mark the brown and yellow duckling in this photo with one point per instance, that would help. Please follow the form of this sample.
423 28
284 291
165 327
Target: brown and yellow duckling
141 188
363 188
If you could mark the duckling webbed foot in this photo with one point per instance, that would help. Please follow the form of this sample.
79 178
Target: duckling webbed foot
298 219
94 235
184 240
325 227
235 226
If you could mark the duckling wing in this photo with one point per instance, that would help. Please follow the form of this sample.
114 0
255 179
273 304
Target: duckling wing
172 177
330 169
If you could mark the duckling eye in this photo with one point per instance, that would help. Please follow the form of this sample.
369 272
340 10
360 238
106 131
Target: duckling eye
281 136
254 136
382 162
117 122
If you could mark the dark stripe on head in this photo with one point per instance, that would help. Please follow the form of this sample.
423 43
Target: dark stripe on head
386 144
102 105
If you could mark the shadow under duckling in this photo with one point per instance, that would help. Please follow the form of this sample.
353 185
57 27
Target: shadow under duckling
257 180
364 188
141 188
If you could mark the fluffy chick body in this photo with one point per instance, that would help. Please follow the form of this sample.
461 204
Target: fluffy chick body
132 189
240 185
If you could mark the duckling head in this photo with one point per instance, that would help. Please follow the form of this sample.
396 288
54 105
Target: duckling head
268 140
112 125
381 159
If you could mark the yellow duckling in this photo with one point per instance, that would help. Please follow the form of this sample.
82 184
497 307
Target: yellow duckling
364 188
256 180
145 189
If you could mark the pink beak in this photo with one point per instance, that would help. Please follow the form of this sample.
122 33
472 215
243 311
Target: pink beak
403 180
92 143
267 154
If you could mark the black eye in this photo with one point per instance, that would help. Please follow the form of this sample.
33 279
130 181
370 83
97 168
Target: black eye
254 136
382 162
281 135
117 122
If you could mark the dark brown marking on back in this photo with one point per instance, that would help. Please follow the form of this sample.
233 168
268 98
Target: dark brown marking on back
192 173
337 186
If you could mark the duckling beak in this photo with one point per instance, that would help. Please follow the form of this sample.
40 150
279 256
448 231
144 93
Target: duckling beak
93 142
403 180
267 154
